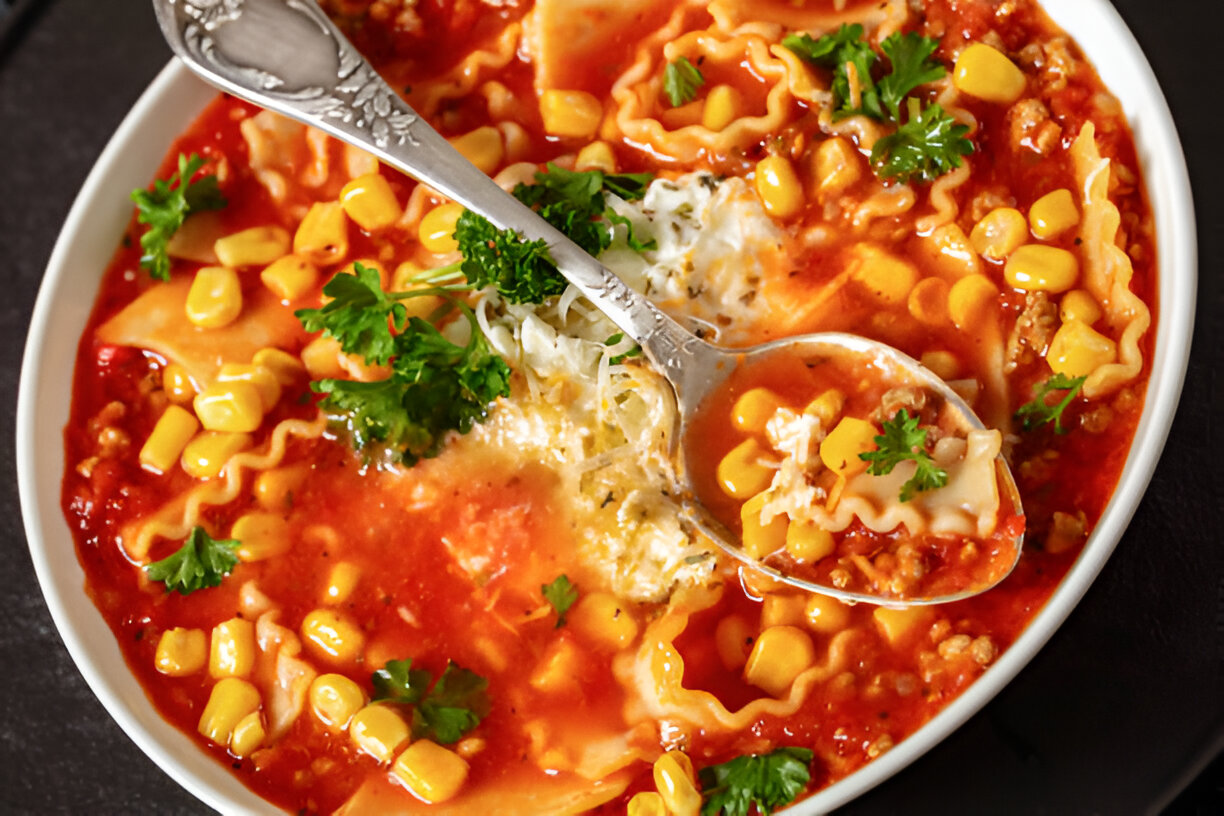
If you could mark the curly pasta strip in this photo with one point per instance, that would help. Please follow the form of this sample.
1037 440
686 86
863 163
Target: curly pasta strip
469 73
943 199
886 202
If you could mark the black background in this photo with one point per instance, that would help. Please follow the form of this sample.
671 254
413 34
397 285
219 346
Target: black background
1116 715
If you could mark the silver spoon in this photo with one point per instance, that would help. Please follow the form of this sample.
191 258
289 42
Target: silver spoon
288 57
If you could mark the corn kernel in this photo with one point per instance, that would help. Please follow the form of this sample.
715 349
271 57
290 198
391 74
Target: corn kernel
177 384
781 610
1036 267
675 782
733 638
483 147
378 731
284 366
233 648
722 107
335 699
741 473
575 114
928 301
256 246
170 435
827 407
341 582
780 654
557 670
369 201
887 278
1078 350
807 543
1000 233
969 301
646 803
229 703
263 379
1053 214
181 652
290 277
951 251
433 773
321 358
943 364
248 735
759 540
332 636
778 187
754 408
899 625
837 167
1079 304
233 407
596 156
215 297
274 489
825 615
841 448
437 229
988 74
261 536
322 237
205 455
602 618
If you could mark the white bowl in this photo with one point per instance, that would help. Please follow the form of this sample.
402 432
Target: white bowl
101 212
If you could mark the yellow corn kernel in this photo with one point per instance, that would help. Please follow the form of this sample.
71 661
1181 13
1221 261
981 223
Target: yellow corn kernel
754 408
837 167
557 668
483 147
741 473
248 735
378 731
206 454
781 610
256 246
825 615
229 703
170 435
733 639
321 358
722 107
233 648
1000 233
177 384
181 652
234 407
1079 304
335 699
898 625
332 636
827 407
341 582
322 237
1078 350
264 380
286 368
675 782
988 74
1036 267
290 277
215 297
369 201
596 156
886 277
433 773
928 301
274 489
951 251
841 448
969 300
759 540
261 536
778 186
780 654
437 229
646 803
1053 214
807 543
602 618
575 114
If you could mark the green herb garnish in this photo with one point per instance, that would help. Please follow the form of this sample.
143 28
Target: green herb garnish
617 359
681 79
904 441
445 713
1039 412
930 144
164 209
201 562
768 781
561 594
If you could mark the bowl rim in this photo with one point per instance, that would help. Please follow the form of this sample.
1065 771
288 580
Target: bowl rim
176 95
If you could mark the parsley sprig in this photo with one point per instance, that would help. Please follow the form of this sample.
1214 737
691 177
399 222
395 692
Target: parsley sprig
1040 411
561 595
904 441
200 563
769 781
164 209
444 713
681 79
928 145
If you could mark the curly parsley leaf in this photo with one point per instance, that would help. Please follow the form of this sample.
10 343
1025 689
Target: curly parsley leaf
360 315
681 79
1039 411
398 682
561 594
910 55
164 209
769 781
201 562
904 441
851 59
930 144
445 713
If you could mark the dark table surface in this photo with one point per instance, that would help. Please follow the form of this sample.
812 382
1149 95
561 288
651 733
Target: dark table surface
1118 713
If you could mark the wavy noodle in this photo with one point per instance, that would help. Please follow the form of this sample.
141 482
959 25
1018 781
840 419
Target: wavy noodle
886 202
943 199
469 73
730 14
